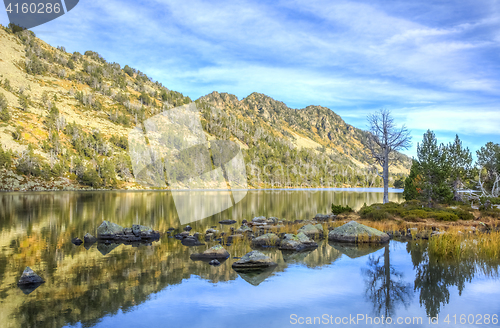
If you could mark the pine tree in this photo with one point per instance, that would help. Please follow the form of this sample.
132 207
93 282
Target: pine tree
411 182
434 168
460 164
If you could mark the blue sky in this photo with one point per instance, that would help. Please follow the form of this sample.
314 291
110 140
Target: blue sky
434 64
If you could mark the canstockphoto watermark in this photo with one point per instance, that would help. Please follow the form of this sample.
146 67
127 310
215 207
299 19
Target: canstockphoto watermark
31 13
170 150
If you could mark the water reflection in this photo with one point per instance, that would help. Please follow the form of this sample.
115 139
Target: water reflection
385 286
84 284
434 276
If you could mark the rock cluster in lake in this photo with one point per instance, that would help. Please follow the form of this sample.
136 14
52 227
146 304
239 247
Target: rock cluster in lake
354 232
113 232
298 242
216 252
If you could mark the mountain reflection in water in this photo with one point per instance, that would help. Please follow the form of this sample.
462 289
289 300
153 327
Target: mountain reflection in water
121 285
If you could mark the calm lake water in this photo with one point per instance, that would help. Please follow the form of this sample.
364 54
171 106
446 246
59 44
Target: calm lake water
159 285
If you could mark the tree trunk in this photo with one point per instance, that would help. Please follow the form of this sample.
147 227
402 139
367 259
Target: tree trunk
456 195
385 176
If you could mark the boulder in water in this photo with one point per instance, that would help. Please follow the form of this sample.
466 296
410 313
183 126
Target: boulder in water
354 232
29 277
266 240
297 242
253 260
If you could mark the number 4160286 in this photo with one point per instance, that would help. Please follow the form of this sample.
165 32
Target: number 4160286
34 8
478 319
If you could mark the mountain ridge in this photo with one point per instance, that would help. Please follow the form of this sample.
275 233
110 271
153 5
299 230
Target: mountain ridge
69 116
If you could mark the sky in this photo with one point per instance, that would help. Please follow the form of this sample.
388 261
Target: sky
434 64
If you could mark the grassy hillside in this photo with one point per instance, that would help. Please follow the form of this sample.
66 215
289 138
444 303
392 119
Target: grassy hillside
65 119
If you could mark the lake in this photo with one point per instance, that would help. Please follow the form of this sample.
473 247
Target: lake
158 285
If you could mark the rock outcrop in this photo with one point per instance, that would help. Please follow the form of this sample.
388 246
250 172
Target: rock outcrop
76 241
89 239
312 231
114 232
297 242
216 252
244 229
354 232
266 240
253 260
29 277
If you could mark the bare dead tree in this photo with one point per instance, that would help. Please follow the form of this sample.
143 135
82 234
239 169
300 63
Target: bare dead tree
384 140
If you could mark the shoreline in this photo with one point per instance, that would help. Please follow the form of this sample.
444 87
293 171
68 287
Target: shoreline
353 189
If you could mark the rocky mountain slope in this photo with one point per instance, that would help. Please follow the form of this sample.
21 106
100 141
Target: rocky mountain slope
65 120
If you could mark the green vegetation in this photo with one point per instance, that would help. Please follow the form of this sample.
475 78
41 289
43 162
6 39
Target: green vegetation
4 112
5 157
441 170
414 211
338 209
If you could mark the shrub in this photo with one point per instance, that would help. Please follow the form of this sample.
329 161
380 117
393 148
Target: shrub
337 209
130 71
71 64
444 216
91 178
422 214
5 158
461 214
29 163
494 213
18 133
373 212
4 113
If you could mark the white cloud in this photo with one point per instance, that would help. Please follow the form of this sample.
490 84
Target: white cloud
478 121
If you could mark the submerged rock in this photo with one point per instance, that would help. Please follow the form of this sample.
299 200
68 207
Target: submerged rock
29 277
227 222
187 228
312 231
269 239
76 241
182 235
354 232
253 260
216 252
112 231
214 262
297 242
191 241
231 238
